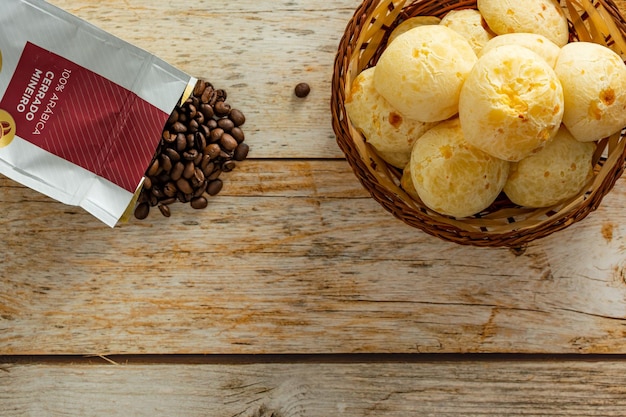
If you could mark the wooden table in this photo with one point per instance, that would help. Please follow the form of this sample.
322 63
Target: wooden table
294 293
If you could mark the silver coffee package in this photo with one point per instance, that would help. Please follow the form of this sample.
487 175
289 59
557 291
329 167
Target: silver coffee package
81 111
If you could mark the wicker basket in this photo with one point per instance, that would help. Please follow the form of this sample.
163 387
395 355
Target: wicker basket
502 224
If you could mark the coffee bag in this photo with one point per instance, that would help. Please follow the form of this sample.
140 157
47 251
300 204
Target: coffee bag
81 111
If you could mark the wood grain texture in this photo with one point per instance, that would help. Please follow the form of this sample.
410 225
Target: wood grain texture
294 257
543 388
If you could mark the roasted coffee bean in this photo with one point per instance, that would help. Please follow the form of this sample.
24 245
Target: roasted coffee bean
237 117
147 183
214 187
154 168
237 133
241 152
181 142
199 203
199 88
184 186
206 95
191 140
226 124
206 110
165 210
172 154
200 119
200 141
216 134
170 189
215 174
166 162
190 155
229 165
189 170
179 127
192 111
198 175
177 171
213 150
302 90
157 192
168 137
211 124
208 169
142 210
193 126
228 142
198 159
222 108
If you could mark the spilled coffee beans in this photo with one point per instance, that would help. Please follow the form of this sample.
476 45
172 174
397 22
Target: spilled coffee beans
201 139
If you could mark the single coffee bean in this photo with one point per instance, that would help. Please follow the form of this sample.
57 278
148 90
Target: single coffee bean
157 192
147 183
211 124
168 137
216 134
142 210
172 154
237 133
302 90
199 88
181 142
222 108
208 169
214 175
237 117
177 171
191 140
226 124
154 168
200 141
205 97
200 118
190 155
207 111
165 210
165 162
184 186
189 170
229 165
214 187
179 127
192 111
241 152
198 174
228 142
170 189
199 203
213 150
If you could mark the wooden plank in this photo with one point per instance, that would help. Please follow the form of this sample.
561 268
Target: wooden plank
446 388
293 260
256 50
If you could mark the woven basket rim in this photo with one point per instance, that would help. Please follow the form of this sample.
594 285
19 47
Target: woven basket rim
360 46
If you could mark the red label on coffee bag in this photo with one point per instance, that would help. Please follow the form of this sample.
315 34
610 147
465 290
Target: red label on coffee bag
83 117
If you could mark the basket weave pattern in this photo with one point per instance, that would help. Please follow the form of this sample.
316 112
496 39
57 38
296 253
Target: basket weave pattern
502 224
